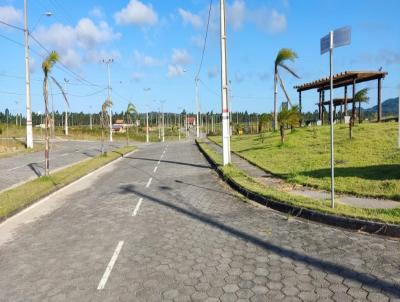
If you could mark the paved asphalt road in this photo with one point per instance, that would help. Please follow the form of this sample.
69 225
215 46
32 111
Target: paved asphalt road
22 167
159 225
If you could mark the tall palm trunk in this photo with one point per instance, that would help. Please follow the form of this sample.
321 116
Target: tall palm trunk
275 98
46 110
102 133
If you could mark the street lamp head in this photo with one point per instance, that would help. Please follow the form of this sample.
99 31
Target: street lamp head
48 14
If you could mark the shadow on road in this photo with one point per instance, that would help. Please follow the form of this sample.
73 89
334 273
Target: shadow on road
204 188
333 268
35 168
170 162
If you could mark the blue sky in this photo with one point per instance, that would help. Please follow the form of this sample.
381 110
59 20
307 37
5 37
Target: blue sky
158 44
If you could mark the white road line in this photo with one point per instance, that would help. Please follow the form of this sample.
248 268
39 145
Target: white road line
9 170
137 207
149 182
155 169
158 162
110 266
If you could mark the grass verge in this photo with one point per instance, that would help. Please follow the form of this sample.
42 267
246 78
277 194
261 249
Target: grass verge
241 178
367 165
13 200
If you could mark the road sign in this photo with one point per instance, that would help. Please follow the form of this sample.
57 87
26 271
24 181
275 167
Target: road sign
341 37
336 38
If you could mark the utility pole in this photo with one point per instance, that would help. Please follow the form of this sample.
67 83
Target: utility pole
108 63
66 81
197 108
224 90
90 118
163 121
29 134
147 117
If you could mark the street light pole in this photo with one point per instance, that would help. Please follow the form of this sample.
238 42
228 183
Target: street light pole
66 107
108 63
224 87
163 121
147 118
197 108
29 134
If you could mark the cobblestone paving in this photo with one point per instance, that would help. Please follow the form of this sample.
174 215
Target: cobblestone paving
192 240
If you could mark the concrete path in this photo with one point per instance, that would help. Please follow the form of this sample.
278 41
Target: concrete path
159 225
23 167
276 182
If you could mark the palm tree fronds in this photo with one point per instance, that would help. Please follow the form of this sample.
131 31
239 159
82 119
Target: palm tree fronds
285 54
284 89
289 70
362 96
61 89
48 63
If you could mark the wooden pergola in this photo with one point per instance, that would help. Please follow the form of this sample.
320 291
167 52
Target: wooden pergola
344 79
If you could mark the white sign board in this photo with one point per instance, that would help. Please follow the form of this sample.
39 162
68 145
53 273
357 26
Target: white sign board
341 37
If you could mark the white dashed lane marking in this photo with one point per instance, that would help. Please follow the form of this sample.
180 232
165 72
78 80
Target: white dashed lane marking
110 266
149 182
135 211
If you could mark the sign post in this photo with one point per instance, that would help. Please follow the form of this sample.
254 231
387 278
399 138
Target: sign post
336 38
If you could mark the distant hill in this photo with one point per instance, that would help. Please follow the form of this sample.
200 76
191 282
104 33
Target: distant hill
389 107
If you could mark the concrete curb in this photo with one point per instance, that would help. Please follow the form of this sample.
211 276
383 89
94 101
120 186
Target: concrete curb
48 196
353 224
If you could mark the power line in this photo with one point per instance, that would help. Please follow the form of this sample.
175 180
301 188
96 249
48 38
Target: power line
205 40
11 40
77 76
11 25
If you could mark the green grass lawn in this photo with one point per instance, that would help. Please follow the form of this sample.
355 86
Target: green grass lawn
13 200
250 184
367 165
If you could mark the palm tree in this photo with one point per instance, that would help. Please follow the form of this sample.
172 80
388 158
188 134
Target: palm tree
283 55
288 117
360 97
104 120
131 109
47 65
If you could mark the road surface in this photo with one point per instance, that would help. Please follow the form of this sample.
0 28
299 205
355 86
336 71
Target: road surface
22 167
159 225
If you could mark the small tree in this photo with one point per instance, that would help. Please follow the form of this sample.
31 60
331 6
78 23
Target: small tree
283 55
288 117
104 120
131 109
47 66
360 97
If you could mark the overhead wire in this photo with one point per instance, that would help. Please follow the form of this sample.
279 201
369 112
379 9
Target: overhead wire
205 40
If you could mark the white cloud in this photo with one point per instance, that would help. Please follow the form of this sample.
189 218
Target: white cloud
97 12
175 71
189 18
145 60
212 72
70 41
239 77
136 13
95 56
236 14
10 14
269 20
137 76
197 41
90 35
181 57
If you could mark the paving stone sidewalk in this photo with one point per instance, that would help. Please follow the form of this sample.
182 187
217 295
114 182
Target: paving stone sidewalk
295 189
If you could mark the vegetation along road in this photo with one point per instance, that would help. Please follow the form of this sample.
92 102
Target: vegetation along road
159 225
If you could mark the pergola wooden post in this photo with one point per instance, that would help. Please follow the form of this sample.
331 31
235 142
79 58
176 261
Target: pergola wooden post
345 100
323 107
320 106
300 101
353 109
379 99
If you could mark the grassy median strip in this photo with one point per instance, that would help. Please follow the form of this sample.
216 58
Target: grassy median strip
241 178
13 200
